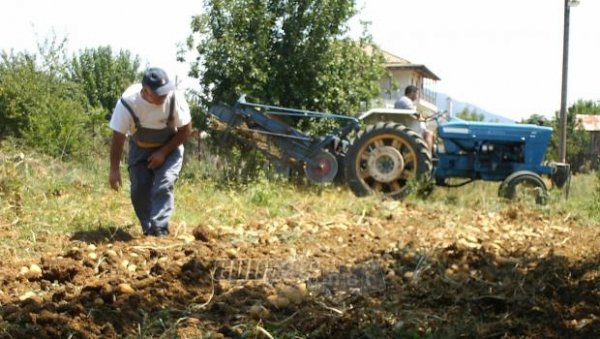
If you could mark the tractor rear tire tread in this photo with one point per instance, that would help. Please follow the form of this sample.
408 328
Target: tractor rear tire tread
423 162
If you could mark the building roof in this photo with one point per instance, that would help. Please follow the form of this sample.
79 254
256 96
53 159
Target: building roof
421 69
590 123
395 62
393 59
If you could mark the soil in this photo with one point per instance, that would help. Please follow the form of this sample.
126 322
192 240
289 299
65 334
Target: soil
406 272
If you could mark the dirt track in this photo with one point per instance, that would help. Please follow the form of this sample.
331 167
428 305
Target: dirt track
409 273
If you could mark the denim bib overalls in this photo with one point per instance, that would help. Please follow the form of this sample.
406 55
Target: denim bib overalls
152 193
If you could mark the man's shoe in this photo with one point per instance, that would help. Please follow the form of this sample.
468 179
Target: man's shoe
158 232
161 233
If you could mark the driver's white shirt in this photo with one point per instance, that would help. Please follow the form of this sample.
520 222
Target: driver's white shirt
404 103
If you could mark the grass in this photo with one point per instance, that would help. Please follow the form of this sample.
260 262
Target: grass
43 197
481 195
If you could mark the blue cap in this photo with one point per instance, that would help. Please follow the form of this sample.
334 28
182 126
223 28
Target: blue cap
158 81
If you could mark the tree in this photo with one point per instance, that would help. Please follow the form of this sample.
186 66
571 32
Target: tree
56 105
40 106
104 75
536 119
578 140
289 53
470 115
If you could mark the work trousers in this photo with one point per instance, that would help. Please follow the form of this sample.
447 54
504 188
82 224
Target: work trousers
152 190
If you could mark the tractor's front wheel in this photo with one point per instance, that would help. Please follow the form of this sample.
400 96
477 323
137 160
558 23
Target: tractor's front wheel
384 158
523 185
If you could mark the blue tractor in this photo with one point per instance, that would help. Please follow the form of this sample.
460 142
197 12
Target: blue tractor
389 154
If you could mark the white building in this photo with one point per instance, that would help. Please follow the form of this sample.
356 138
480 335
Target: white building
402 73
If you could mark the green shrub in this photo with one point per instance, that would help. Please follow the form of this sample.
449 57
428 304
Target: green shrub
595 206
42 108
103 75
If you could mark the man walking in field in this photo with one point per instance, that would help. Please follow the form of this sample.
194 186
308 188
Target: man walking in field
157 120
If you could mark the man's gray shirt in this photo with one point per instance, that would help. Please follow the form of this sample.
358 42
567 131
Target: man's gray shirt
404 103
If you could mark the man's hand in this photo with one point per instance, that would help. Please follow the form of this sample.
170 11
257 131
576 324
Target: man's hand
156 160
116 149
114 178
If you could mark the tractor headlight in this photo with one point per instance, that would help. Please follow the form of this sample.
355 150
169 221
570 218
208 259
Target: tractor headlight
487 148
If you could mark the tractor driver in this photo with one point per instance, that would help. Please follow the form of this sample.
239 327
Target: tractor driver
411 94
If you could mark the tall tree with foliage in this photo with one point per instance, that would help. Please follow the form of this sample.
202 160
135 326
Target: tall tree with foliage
578 140
470 115
536 119
39 105
290 53
104 75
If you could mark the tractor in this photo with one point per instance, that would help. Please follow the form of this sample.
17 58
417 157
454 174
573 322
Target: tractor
389 154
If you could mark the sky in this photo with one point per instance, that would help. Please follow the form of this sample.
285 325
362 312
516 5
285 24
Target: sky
504 56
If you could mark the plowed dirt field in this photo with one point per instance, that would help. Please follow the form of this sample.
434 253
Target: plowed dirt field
411 273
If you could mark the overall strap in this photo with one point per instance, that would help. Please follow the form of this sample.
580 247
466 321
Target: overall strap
136 120
171 112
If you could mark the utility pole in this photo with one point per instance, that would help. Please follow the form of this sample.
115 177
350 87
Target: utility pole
562 146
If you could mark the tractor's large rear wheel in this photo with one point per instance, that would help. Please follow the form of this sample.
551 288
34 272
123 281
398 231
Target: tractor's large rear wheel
384 158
